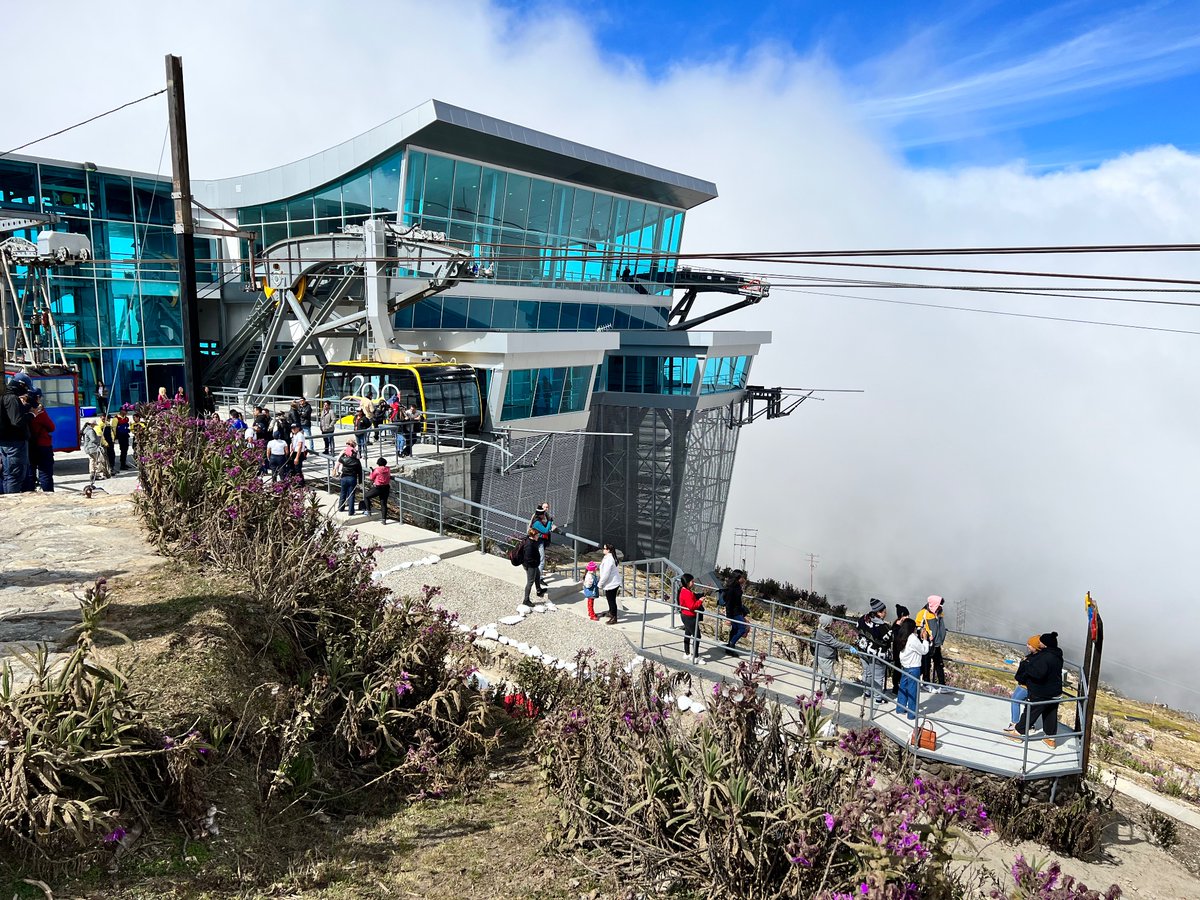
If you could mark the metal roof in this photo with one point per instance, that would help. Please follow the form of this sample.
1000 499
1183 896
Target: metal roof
439 126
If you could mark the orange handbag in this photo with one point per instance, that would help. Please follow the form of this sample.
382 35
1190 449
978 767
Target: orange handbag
924 738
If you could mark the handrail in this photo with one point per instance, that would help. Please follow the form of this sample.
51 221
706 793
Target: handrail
666 571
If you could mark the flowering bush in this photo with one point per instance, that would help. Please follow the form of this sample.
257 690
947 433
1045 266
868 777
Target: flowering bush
202 498
741 803
1032 882
380 691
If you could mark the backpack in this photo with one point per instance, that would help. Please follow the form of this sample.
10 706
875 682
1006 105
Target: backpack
514 555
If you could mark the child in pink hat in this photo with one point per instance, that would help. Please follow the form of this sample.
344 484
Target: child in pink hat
591 585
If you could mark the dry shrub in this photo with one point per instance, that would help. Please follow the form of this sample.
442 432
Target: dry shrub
79 764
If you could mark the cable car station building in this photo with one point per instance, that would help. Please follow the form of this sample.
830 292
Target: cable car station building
564 313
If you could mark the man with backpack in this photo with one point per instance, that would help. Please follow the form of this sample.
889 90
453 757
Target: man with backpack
527 554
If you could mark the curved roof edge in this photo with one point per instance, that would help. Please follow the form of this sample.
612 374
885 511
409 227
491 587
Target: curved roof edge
435 125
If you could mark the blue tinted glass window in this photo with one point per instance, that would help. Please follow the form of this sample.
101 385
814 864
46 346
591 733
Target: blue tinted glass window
439 183
356 196
161 317
300 208
570 317
18 185
275 212
479 313
562 199
327 204
464 201
527 311
504 315
518 394
273 234
516 202
540 197
302 227
404 317
621 318
581 214
454 312
547 391
414 184
428 313
64 191
587 316
616 373
491 196
153 203
548 315
116 198
385 185
575 389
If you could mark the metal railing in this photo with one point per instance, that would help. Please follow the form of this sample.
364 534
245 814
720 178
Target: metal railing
655 581
494 530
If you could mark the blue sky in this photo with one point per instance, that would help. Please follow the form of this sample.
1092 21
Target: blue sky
953 83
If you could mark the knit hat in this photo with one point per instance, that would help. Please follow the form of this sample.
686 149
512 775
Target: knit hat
592 567
825 621
934 603
1035 642
901 611
1049 639
878 606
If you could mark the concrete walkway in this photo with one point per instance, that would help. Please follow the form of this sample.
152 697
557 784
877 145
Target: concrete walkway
1181 812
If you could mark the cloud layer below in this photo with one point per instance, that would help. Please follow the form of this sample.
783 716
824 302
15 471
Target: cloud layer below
1009 464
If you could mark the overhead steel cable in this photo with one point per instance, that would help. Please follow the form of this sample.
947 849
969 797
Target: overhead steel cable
80 124
992 312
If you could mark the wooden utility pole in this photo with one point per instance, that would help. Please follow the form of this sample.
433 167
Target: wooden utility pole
185 251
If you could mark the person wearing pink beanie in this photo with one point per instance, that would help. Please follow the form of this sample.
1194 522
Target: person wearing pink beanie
933 668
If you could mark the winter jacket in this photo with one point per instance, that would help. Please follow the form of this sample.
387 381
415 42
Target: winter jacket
41 428
350 465
827 646
305 415
874 635
1041 673
733 600
328 421
15 417
90 441
936 623
689 603
542 526
381 475
610 573
531 558
914 649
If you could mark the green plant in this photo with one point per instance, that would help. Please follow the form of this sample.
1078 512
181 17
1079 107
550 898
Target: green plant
1162 829
79 765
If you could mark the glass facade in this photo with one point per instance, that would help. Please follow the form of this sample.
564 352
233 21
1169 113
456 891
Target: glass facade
539 232
485 314
651 374
672 374
121 311
545 392
725 373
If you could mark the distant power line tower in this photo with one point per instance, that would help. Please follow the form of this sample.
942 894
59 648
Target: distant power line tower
745 543
960 616
813 559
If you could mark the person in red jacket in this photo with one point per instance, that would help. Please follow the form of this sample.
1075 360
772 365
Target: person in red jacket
41 446
690 606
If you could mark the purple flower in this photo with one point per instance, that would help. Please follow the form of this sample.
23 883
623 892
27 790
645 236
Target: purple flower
115 835
830 821
404 685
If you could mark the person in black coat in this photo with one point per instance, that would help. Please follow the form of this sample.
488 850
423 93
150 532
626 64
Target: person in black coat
1041 673
531 559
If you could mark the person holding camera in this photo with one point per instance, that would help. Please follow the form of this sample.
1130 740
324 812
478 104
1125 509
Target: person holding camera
916 641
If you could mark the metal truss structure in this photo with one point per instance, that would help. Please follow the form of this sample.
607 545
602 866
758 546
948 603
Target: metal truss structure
663 491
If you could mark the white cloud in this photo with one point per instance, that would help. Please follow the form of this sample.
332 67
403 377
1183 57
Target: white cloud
1011 463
